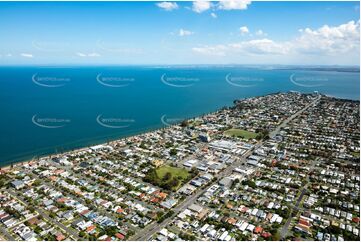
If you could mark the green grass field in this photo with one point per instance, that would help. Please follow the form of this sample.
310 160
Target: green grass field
167 177
174 171
240 133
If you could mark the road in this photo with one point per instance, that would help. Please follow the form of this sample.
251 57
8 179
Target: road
284 230
6 234
296 207
155 227
67 230
286 121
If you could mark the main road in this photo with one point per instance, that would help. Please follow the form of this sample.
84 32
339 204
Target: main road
290 118
155 227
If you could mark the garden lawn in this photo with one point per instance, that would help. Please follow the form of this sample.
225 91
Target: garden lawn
240 133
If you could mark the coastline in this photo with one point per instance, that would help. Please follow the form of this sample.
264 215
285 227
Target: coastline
9 164
82 147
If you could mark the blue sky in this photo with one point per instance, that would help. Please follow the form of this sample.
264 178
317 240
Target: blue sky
241 32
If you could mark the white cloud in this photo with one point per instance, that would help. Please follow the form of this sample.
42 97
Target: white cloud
251 47
261 47
183 32
233 4
27 55
88 54
168 6
329 40
81 54
218 50
201 6
326 41
260 33
244 30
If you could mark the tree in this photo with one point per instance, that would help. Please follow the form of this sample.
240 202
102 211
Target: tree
173 152
186 236
151 176
194 171
184 123
167 176
174 182
142 145
37 183
37 230
249 183
276 236
111 230
31 209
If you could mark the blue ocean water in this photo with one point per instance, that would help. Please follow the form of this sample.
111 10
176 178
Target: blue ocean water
52 109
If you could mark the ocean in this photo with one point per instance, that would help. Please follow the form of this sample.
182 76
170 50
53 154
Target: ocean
46 110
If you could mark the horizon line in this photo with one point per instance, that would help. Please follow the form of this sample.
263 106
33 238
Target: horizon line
162 64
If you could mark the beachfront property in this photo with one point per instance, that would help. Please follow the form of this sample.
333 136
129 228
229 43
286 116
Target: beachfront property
295 175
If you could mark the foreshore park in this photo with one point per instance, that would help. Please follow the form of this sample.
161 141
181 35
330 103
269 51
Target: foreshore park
283 166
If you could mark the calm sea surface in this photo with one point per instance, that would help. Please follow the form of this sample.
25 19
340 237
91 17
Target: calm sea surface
46 110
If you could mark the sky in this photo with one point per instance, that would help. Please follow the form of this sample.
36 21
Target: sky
201 32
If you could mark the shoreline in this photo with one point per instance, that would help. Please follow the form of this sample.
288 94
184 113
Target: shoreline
82 147
8 165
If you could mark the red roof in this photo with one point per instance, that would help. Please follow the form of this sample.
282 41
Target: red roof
258 230
154 200
266 234
4 215
119 236
90 228
304 222
60 237
84 212
162 195
62 199
232 220
59 171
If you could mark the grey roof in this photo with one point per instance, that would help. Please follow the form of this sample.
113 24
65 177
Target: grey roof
17 183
